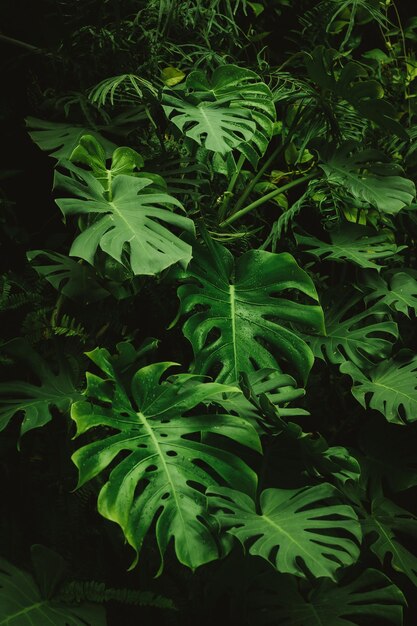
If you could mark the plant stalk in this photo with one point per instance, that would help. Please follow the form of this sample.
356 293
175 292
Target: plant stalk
266 198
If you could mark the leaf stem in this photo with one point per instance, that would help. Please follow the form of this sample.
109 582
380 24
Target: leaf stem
254 205
228 193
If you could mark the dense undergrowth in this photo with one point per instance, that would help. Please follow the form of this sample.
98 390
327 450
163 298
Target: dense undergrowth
209 370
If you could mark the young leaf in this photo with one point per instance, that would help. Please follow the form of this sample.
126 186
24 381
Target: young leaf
248 319
370 596
165 468
294 525
130 220
391 385
233 110
35 401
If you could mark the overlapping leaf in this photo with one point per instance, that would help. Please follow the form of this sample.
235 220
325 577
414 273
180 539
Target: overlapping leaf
390 388
293 524
23 603
370 596
132 220
71 278
391 523
233 110
361 338
249 317
60 139
354 244
165 466
368 177
399 292
35 402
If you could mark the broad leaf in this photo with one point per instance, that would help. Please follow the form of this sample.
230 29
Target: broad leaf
250 314
131 221
305 524
23 603
368 178
350 336
35 402
165 466
354 244
399 292
90 152
390 388
73 279
233 110
59 140
391 523
371 596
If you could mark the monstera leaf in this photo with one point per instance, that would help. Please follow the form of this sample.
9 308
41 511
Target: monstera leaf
165 467
248 319
399 292
391 524
233 110
354 244
370 596
358 337
25 599
305 524
59 140
71 278
90 152
56 389
131 220
391 385
367 177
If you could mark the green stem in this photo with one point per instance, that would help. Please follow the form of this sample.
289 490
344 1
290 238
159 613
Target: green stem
270 160
232 183
266 198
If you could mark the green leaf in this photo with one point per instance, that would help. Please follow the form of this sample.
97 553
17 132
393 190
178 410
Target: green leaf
131 221
399 292
91 153
391 385
165 467
56 389
71 278
361 338
172 76
367 177
370 596
294 524
22 602
390 523
354 244
248 318
59 140
233 110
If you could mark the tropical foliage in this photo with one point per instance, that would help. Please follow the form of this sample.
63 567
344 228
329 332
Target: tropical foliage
208 401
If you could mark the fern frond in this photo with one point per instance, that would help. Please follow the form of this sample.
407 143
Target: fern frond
91 591
69 327
127 88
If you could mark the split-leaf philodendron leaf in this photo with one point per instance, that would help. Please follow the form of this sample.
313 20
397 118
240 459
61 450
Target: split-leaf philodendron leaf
134 220
251 312
295 528
166 464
